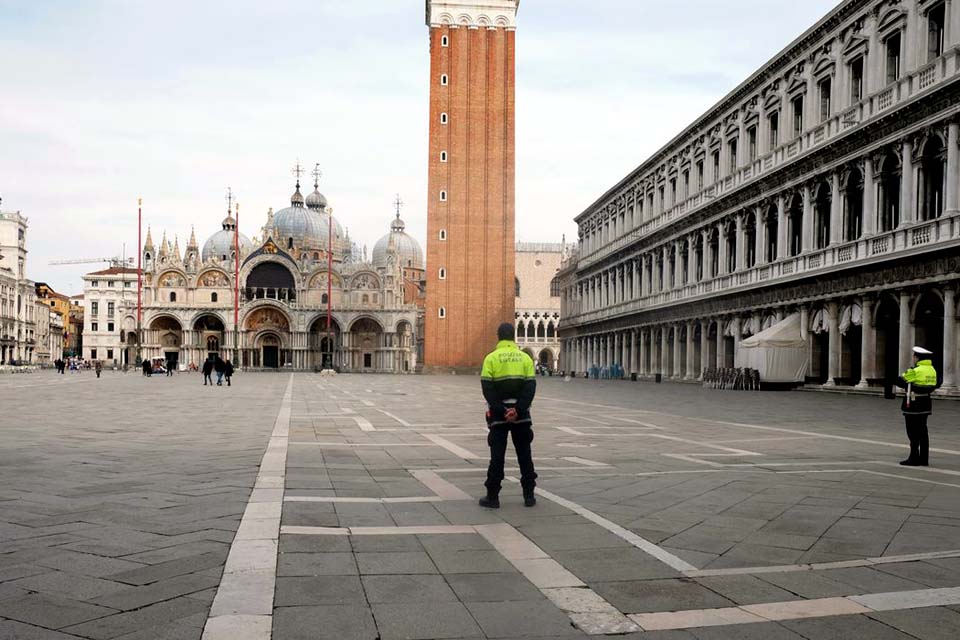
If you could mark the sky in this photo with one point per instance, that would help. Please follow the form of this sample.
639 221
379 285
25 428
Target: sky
105 101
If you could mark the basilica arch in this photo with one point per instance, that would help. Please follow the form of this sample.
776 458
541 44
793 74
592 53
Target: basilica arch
364 345
267 338
325 348
208 337
164 338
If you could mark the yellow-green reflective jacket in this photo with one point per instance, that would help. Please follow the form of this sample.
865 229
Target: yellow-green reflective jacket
508 379
922 381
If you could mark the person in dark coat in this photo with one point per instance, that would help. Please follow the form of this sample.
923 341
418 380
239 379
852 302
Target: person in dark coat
147 368
207 370
98 368
228 371
220 367
919 381
171 365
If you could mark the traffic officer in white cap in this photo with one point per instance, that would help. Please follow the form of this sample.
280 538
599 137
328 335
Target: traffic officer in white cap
919 382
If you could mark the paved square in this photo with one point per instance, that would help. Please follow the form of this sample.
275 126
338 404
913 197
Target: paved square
297 506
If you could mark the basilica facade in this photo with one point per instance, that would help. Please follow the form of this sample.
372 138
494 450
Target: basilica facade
285 284
823 191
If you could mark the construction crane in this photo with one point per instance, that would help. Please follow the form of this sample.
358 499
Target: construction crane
114 261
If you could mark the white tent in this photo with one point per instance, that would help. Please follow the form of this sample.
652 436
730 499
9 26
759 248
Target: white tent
778 353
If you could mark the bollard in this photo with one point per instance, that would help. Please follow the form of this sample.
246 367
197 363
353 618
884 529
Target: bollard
658 378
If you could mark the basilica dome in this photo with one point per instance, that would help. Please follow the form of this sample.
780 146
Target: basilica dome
316 200
304 227
221 244
407 249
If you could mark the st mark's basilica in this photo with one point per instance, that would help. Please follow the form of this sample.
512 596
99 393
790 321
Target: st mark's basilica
376 304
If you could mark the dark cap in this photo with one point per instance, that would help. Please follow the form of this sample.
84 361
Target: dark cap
506 331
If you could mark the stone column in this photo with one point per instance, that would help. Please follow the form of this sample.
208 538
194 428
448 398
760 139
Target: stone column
760 237
740 259
678 266
609 351
721 250
951 203
833 357
675 368
642 366
908 199
707 258
906 335
664 352
949 339
692 259
869 199
783 233
633 351
667 272
953 22
868 343
704 347
736 340
624 353
691 374
807 228
836 210
635 283
721 361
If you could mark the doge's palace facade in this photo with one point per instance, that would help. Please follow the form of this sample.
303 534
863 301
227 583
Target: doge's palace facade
826 185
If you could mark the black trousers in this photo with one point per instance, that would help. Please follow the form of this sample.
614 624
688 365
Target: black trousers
917 434
207 377
497 440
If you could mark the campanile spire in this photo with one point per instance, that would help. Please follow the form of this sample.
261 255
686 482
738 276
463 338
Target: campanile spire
470 211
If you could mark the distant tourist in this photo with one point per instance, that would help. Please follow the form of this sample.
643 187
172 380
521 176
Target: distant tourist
207 370
98 367
220 367
228 371
920 382
171 365
509 383
147 368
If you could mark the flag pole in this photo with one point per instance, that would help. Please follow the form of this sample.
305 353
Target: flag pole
139 276
330 284
236 289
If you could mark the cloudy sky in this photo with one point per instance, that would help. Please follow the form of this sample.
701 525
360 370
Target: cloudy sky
102 101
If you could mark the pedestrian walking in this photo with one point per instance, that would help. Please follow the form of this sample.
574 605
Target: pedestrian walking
207 370
228 371
919 381
220 367
171 365
509 383
98 368
147 368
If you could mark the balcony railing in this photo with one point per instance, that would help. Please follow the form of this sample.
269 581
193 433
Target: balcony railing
942 230
907 87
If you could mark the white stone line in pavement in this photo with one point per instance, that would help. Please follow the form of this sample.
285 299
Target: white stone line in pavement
584 461
367 403
360 444
592 614
821 566
400 420
378 531
443 489
456 450
828 436
337 499
243 605
639 542
798 609
364 424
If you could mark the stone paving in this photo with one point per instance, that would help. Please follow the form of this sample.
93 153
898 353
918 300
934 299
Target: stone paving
300 506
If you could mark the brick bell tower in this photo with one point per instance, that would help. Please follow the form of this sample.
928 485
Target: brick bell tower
470 215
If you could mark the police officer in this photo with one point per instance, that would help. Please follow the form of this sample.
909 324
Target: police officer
509 382
920 382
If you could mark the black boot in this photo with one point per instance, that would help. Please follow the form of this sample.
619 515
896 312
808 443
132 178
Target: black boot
490 501
529 500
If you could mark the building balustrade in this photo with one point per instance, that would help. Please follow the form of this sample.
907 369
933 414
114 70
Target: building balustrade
945 229
907 87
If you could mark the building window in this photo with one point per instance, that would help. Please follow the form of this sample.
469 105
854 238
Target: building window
324 299
443 234
443 118
716 165
111 309
126 284
752 143
444 80
213 297
673 191
856 80
825 87
443 273
109 354
732 150
442 312
797 107
443 156
699 175
94 283
555 287
443 196
936 19
686 185
109 327
445 41
93 354
173 296
94 308
111 284
773 122
516 287
893 58
94 326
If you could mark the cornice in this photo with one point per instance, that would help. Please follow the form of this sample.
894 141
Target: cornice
490 14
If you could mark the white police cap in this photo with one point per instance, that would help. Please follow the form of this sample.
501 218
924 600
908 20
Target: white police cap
920 351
